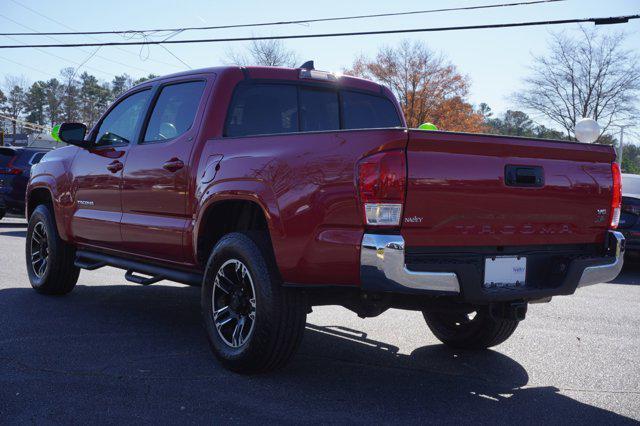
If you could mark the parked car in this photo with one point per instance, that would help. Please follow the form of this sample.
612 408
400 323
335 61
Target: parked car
15 169
278 189
630 217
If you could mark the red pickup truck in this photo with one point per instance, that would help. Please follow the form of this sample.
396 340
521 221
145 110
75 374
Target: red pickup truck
278 189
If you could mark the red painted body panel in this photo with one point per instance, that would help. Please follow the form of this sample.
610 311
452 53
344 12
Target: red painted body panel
457 195
305 185
91 182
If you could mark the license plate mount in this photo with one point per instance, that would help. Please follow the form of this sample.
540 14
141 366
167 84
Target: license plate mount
505 271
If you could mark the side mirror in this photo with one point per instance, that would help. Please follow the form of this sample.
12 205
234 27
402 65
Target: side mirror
71 133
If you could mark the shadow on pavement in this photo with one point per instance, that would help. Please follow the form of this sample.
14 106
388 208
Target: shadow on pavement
19 234
13 224
118 353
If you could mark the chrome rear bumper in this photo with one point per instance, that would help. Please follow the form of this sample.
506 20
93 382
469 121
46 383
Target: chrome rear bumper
382 258
608 271
383 266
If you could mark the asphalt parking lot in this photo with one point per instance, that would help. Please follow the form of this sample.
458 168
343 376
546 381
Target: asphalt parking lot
114 352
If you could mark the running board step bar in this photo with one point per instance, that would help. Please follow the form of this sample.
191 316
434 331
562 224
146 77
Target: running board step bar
92 260
88 265
137 279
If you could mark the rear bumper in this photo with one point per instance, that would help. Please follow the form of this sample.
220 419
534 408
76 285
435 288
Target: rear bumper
383 267
609 270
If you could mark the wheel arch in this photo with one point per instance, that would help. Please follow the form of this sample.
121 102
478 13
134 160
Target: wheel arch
222 215
40 193
36 196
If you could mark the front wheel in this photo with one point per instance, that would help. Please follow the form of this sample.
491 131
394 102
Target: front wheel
475 330
253 323
50 261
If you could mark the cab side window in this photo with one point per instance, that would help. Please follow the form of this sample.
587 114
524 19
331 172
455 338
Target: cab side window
364 111
262 109
120 124
174 111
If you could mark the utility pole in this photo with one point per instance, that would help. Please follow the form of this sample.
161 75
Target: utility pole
620 146
621 142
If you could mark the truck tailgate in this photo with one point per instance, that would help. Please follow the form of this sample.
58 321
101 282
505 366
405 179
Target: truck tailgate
484 190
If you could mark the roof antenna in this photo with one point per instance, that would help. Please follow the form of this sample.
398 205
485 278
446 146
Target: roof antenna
308 65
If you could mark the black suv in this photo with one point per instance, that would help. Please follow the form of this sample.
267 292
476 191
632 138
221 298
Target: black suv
15 168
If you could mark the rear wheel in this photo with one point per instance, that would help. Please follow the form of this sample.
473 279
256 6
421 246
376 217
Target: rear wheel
50 261
253 323
475 330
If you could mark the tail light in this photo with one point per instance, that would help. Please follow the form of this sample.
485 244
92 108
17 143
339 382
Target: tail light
616 197
10 169
382 181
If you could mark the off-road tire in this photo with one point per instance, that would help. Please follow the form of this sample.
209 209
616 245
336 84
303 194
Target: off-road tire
60 274
280 312
460 332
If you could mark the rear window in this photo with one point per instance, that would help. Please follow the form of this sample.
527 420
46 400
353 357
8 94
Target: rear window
319 110
263 109
362 111
259 109
37 157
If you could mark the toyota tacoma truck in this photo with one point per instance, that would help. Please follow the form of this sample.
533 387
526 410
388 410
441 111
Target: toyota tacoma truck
280 189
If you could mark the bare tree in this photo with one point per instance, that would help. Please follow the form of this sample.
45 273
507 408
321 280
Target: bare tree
590 76
271 53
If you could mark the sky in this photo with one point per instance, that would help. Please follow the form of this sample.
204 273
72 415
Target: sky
495 60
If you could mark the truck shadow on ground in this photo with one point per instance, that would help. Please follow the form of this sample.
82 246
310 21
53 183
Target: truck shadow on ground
17 234
115 353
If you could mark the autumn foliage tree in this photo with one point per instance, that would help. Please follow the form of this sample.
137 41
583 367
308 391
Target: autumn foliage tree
428 87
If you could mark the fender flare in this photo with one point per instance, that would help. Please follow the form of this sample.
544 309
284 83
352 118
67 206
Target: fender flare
47 182
254 191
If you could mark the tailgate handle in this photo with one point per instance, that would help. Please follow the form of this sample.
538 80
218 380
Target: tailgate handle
527 176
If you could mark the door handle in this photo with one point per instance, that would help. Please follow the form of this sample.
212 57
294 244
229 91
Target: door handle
525 176
173 165
115 166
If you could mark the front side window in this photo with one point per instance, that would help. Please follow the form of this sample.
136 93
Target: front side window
119 126
319 110
363 111
174 111
261 109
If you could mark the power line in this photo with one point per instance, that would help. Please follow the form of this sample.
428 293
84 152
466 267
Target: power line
597 21
26 66
80 49
175 56
93 38
301 21
53 55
